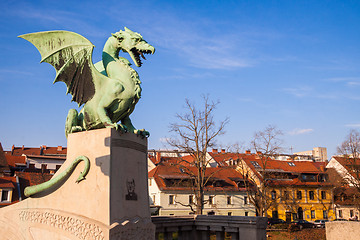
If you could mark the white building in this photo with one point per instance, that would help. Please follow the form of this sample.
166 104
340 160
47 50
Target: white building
171 189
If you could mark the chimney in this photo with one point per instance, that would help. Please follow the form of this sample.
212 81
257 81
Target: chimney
59 148
258 153
322 168
12 149
22 148
158 156
223 150
44 147
43 167
247 152
214 150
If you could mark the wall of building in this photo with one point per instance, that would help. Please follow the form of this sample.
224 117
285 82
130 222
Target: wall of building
292 205
220 204
346 212
50 164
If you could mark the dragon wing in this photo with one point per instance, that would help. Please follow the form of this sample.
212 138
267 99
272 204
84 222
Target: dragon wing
70 54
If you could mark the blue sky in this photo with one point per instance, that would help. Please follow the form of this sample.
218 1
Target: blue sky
293 64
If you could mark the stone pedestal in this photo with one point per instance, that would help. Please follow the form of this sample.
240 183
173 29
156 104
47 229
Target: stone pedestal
111 203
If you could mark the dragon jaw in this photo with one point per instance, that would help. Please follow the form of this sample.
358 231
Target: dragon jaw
133 43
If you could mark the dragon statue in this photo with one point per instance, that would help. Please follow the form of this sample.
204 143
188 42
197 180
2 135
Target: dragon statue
32 190
109 89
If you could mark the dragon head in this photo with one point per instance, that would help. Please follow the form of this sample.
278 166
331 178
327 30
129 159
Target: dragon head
134 44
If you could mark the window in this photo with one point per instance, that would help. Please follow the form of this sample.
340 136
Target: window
153 199
340 214
246 214
299 195
312 214
291 164
5 196
211 213
229 200
286 195
171 199
211 200
191 199
351 213
229 213
245 200
311 195
255 164
150 182
275 214
325 214
273 195
323 195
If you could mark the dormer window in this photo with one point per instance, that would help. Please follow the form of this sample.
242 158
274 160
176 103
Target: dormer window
5 195
255 164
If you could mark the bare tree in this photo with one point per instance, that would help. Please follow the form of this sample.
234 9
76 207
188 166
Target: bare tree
350 147
267 144
350 154
196 132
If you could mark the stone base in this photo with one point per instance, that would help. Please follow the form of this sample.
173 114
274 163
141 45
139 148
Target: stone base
111 203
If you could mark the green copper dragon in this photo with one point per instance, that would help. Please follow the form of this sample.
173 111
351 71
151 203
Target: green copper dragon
109 89
32 190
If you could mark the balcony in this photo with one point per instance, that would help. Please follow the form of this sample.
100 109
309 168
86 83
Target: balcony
203 227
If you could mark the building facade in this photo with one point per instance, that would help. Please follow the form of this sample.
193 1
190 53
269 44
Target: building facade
172 191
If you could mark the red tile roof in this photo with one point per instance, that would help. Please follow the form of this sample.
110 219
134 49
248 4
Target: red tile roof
166 171
4 167
13 160
352 165
7 182
283 166
297 182
292 168
33 178
42 150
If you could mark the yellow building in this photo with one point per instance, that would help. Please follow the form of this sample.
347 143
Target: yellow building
292 199
295 189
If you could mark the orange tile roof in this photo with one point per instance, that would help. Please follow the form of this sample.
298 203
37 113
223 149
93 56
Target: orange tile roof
13 160
33 178
7 182
294 167
4 167
42 150
284 166
167 171
297 182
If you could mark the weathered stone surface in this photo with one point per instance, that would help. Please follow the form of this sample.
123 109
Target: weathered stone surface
342 230
111 203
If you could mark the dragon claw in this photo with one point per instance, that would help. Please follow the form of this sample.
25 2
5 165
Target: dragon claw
142 133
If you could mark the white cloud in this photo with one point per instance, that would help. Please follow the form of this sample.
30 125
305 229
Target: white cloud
298 91
298 131
349 81
353 125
